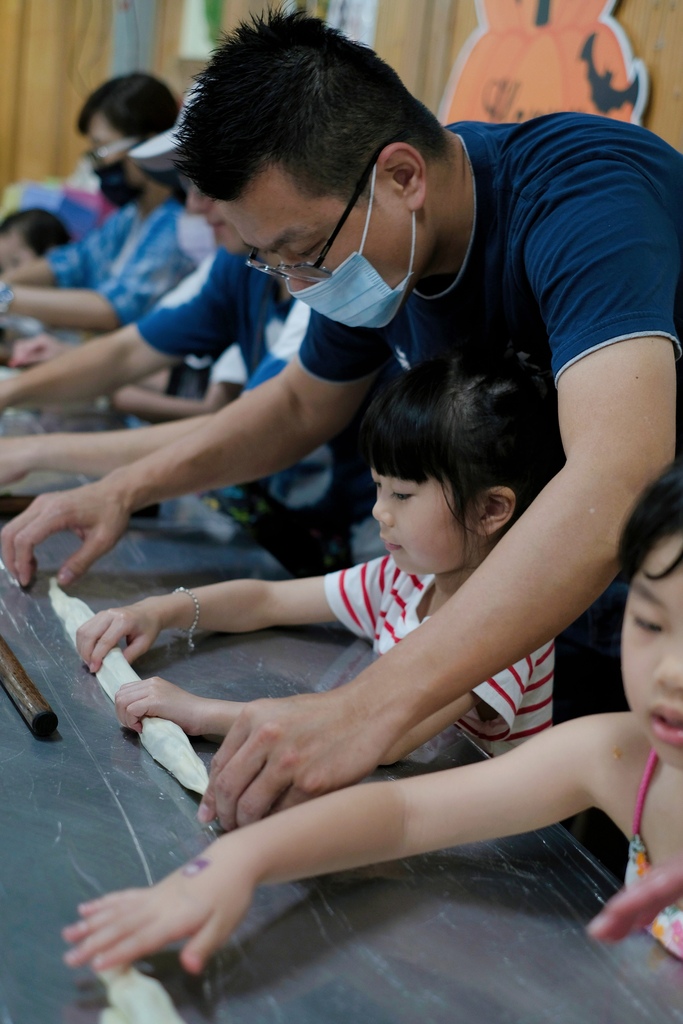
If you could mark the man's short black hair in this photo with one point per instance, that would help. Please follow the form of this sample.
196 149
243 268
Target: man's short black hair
287 89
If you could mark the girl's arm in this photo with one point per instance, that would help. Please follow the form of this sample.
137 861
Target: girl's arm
237 606
158 407
157 698
546 779
430 727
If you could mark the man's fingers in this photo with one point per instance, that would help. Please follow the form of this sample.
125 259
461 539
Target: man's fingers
14 553
19 537
208 811
93 547
289 798
242 793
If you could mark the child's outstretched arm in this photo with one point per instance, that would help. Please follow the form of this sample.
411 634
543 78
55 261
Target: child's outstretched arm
237 606
429 727
157 698
547 779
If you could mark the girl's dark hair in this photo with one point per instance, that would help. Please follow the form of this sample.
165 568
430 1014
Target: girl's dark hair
40 229
135 104
468 429
657 516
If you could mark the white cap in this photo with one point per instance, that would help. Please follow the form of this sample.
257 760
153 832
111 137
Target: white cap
158 153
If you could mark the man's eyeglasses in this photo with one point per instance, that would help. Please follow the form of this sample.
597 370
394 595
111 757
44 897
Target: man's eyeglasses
96 157
315 271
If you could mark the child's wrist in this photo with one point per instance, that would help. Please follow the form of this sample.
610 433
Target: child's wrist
173 611
189 598
218 716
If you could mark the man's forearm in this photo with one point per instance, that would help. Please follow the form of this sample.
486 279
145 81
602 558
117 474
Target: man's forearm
262 432
80 308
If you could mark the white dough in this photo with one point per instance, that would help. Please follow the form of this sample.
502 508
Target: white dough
136 999
165 741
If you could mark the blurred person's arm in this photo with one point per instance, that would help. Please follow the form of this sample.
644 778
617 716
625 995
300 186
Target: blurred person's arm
158 407
80 308
87 371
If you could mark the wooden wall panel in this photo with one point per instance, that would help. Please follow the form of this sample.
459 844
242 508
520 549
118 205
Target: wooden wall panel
655 31
165 60
54 52
655 28
12 30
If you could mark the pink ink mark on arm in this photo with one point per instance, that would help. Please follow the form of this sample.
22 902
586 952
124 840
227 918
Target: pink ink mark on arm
195 866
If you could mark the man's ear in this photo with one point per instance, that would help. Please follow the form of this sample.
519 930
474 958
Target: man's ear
495 510
407 168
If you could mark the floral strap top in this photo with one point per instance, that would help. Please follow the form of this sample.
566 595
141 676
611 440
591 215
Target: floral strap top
667 927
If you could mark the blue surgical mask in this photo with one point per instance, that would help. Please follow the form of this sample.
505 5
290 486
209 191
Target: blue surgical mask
355 294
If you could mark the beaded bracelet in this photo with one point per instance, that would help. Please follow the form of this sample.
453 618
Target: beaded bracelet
190 631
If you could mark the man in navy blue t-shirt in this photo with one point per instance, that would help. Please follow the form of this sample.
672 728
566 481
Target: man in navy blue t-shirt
557 241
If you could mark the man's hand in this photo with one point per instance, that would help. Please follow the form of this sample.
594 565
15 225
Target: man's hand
282 752
638 905
94 512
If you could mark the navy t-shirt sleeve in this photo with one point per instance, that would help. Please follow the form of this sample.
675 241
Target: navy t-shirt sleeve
614 273
206 324
340 354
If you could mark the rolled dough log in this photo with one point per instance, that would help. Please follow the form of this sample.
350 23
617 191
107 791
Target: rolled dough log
136 999
165 741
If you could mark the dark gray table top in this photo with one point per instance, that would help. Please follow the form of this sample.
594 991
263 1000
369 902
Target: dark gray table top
492 932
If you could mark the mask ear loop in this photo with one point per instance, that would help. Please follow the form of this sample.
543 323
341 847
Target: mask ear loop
367 219
412 250
367 225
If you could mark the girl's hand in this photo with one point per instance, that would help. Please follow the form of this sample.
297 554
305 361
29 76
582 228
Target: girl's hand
203 901
37 349
157 698
138 623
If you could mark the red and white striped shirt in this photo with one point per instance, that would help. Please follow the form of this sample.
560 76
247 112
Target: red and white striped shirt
378 601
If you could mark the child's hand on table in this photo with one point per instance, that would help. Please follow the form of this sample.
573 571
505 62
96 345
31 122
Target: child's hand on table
138 623
202 902
157 698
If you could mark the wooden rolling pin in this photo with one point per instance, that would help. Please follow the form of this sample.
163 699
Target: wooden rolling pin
28 700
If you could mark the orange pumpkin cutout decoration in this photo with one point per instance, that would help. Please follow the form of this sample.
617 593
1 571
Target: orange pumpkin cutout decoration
531 57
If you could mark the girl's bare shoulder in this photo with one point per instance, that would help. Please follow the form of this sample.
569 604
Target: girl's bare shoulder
617 754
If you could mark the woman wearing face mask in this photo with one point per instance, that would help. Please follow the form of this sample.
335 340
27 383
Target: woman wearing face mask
118 271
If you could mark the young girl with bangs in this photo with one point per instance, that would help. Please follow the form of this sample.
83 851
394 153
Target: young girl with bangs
457 455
